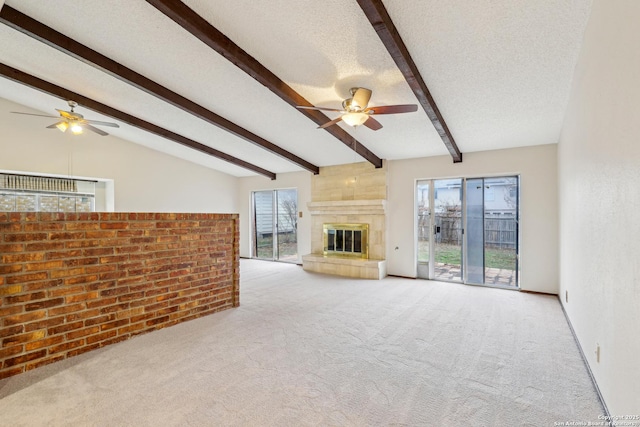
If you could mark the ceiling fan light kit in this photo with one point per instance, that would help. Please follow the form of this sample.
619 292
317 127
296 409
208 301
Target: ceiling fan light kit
74 121
356 113
355 119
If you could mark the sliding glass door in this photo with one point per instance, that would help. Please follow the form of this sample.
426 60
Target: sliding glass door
440 229
467 230
492 230
447 238
275 226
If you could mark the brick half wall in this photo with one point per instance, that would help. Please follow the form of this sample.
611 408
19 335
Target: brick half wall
74 282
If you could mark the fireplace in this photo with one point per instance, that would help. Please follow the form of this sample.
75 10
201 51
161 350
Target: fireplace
346 240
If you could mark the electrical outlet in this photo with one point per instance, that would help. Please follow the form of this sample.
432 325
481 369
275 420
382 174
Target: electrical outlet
597 353
566 296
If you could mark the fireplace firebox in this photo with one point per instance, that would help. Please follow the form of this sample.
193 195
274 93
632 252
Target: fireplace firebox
346 240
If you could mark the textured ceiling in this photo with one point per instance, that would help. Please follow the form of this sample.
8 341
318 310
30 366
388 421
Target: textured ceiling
499 70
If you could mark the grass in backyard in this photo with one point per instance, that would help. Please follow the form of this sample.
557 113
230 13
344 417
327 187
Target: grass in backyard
450 254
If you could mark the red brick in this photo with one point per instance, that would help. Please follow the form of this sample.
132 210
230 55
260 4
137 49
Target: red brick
10 372
80 261
24 318
83 332
74 226
23 257
59 254
44 304
24 278
13 247
82 297
12 330
110 259
66 290
25 297
10 268
101 302
67 272
83 349
81 279
80 315
24 237
10 351
157 321
114 324
44 324
66 309
77 244
47 265
114 225
66 235
101 336
23 338
97 252
116 307
65 328
66 346
101 234
43 226
10 310
34 345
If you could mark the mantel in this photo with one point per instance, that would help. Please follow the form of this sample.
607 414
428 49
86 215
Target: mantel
348 207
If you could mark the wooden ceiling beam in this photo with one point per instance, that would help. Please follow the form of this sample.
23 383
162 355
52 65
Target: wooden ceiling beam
29 26
388 33
66 94
212 37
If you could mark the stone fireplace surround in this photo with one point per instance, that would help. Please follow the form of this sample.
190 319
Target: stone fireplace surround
371 212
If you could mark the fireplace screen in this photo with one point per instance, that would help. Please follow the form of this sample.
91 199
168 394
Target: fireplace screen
346 240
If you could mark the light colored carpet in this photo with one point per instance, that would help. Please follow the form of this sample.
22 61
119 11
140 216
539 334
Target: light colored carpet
307 349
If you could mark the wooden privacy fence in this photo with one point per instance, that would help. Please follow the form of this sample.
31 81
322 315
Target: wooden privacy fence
498 232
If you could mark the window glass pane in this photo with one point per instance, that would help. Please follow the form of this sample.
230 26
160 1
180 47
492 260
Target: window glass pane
339 240
25 202
84 204
48 203
7 202
357 241
67 204
348 241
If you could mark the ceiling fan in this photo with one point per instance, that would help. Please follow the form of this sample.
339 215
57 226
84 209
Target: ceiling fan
74 121
355 111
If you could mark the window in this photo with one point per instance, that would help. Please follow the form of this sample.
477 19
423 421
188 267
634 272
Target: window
24 193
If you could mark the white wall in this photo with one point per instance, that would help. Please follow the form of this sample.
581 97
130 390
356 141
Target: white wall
599 174
144 180
301 181
538 205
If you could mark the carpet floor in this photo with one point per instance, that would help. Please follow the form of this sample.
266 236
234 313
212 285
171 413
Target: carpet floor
306 349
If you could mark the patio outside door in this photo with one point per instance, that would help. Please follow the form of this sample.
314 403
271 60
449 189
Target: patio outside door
492 231
467 230
275 226
440 229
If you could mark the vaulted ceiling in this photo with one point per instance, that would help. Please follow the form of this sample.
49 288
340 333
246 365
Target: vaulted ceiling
216 82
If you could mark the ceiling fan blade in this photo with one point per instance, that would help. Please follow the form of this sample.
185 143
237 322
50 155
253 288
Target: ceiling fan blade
332 122
94 129
99 123
393 109
37 115
319 108
373 124
361 98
